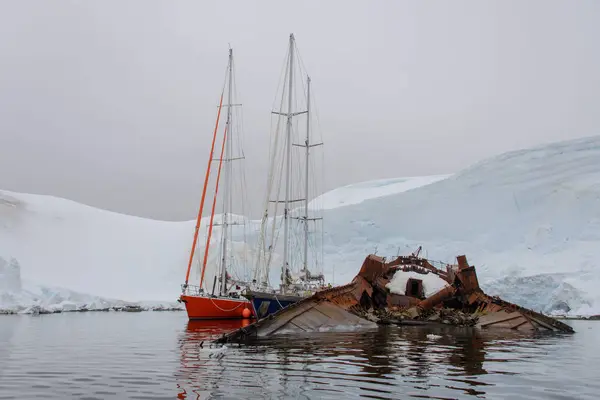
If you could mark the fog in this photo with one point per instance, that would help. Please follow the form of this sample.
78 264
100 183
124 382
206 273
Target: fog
112 103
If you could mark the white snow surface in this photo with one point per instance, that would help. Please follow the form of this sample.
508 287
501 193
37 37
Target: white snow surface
61 244
431 282
529 221
360 192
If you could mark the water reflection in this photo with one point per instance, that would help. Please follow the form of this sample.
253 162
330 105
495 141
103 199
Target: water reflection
197 354
7 331
469 354
460 348
211 329
161 355
434 362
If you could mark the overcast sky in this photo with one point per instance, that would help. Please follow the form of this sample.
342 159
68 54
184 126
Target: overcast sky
112 103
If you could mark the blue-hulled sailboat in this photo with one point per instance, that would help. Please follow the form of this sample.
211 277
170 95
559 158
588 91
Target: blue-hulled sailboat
293 286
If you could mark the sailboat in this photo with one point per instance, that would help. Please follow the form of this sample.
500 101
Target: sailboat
294 286
224 301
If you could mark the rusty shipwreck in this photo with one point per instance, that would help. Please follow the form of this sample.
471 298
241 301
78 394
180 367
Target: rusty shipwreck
367 301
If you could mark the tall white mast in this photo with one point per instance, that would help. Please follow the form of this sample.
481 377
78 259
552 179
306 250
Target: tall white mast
307 144
288 144
228 180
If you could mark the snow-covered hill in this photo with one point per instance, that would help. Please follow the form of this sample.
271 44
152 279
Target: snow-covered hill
529 220
60 244
363 191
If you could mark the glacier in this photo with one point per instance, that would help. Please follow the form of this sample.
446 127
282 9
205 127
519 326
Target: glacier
523 214
529 220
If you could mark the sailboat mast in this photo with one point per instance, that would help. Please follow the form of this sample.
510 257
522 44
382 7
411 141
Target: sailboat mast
307 144
228 180
199 218
288 168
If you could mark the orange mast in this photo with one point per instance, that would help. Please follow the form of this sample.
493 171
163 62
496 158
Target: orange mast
212 213
212 149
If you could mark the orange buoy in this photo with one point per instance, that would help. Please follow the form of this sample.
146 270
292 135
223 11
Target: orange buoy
246 313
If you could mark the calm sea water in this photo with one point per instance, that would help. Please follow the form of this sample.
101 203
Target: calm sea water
153 355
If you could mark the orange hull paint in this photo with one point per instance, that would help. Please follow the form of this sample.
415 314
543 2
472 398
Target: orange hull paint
200 307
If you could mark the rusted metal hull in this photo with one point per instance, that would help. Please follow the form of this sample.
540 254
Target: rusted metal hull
367 301
496 312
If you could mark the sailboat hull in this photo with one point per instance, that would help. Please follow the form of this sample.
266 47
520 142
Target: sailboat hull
205 308
264 303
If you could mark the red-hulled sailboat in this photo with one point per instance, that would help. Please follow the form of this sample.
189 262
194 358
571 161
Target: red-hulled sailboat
224 301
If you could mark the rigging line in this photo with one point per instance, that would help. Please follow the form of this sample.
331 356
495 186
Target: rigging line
303 81
225 78
316 111
270 178
315 250
212 213
313 97
272 155
274 238
244 231
243 185
275 133
277 222
272 146
273 142
284 67
318 205
239 117
303 69
199 218
265 220
242 176
300 60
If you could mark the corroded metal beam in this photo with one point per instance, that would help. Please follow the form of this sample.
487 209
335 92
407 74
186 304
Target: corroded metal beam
367 299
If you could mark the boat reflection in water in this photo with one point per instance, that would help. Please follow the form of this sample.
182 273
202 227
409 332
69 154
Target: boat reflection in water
438 362
206 330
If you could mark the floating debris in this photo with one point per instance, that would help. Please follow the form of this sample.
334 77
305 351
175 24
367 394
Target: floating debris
367 301
432 336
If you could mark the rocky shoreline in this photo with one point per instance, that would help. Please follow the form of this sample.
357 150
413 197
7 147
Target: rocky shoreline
37 310
580 317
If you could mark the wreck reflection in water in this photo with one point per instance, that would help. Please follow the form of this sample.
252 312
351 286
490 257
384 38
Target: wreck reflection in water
385 362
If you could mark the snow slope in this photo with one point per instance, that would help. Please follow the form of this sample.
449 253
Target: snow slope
529 220
360 192
526 219
63 244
